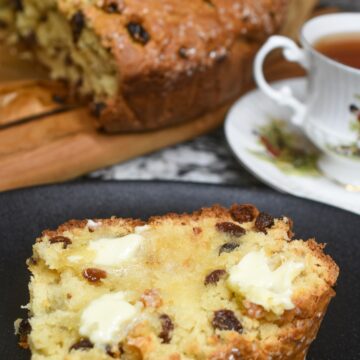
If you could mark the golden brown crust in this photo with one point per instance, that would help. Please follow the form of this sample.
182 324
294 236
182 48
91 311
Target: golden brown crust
292 344
317 249
81 224
216 211
192 58
148 103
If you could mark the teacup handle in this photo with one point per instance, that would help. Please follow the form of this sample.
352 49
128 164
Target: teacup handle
283 96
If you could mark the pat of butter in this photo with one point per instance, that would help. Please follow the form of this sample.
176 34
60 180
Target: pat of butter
113 251
253 279
105 320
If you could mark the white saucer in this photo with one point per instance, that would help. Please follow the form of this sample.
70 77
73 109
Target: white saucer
245 118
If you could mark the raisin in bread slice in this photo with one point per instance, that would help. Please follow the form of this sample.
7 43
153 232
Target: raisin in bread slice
216 284
147 64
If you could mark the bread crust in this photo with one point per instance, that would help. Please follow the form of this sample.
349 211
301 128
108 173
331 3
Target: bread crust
297 327
197 55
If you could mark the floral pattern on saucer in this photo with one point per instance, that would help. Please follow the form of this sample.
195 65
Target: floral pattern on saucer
266 147
289 150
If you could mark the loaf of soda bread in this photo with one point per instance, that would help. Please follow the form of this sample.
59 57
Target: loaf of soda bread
146 64
217 284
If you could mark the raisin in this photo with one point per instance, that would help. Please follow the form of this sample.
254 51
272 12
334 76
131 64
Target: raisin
226 320
97 108
264 221
79 83
24 327
94 275
77 24
228 247
197 230
244 213
109 351
246 18
23 331
18 5
138 33
230 228
221 57
111 7
113 351
68 60
3 24
59 99
209 2
214 277
167 327
82 344
61 239
183 53
29 40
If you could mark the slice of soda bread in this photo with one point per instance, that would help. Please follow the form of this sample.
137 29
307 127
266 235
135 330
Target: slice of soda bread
217 284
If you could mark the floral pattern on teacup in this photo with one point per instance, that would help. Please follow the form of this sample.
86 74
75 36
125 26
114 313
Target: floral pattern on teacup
353 149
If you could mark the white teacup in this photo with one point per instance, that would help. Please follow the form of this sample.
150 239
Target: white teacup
333 91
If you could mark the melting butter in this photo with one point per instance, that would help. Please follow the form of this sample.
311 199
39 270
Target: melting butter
253 279
105 321
113 251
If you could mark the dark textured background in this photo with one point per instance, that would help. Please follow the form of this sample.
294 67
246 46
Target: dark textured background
345 4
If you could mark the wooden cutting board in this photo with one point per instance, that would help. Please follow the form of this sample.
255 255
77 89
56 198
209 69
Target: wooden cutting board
63 145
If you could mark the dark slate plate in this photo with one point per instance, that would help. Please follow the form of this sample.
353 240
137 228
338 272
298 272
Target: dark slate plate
25 213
